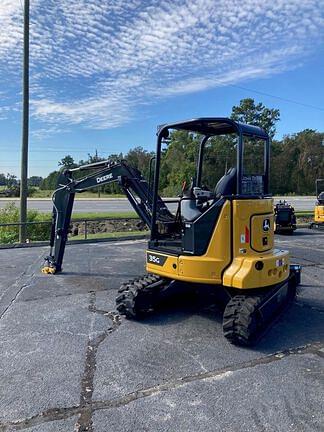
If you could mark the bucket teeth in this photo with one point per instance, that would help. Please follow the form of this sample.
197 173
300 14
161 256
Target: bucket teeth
48 270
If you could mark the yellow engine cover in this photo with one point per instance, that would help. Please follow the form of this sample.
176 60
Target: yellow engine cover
240 254
255 261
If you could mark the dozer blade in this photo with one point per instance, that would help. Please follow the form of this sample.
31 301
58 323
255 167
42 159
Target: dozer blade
248 316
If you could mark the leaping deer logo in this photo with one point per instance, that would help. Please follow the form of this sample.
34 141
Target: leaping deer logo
266 224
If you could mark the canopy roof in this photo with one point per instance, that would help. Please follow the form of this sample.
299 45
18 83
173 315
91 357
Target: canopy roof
214 126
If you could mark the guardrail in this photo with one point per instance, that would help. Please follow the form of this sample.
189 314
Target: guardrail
80 230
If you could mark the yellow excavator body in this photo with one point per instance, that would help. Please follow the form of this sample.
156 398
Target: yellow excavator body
319 214
240 254
319 205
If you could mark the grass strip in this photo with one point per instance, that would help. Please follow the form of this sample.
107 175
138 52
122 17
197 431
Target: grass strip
43 193
92 215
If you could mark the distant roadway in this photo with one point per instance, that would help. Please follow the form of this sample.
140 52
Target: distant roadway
116 205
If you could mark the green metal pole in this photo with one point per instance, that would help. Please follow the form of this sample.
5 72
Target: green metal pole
25 128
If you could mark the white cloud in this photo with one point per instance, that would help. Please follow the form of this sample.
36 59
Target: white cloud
96 63
10 25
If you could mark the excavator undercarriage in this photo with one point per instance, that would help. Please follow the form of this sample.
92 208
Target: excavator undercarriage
246 316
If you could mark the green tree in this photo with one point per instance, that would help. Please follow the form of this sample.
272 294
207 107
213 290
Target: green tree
219 156
140 159
35 232
296 161
67 162
278 169
178 161
2 179
300 162
11 181
49 182
35 181
256 114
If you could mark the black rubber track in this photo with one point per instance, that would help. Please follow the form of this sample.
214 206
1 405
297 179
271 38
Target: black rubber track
241 319
137 298
243 323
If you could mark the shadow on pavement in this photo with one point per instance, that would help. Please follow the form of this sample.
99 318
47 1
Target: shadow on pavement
298 325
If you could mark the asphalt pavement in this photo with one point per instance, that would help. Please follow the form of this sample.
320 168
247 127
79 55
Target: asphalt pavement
69 362
115 205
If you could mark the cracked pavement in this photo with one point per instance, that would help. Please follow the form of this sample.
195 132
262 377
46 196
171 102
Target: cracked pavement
70 363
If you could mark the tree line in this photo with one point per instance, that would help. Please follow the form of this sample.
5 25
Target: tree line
296 160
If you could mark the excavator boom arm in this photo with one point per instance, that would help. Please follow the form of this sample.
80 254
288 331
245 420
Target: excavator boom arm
131 181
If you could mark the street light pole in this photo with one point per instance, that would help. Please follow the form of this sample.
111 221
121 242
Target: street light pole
25 130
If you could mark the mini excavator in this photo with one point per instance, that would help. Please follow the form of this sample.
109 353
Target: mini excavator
221 238
319 206
284 218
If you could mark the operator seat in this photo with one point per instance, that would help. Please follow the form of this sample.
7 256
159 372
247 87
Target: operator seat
227 184
201 224
188 207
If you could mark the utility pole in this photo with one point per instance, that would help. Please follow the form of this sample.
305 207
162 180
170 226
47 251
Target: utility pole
25 130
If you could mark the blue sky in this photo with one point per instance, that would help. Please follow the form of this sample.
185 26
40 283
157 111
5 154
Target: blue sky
104 74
